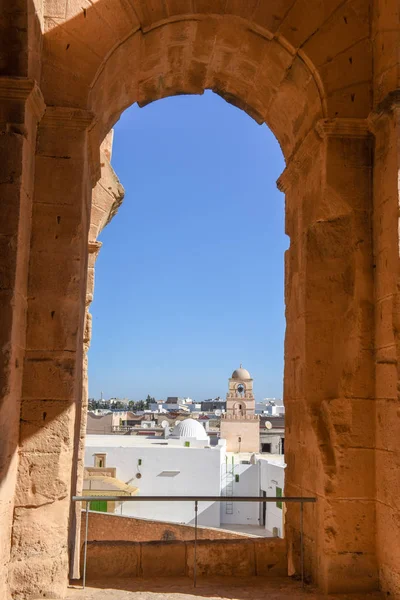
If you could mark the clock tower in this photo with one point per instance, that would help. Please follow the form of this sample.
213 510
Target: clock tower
240 426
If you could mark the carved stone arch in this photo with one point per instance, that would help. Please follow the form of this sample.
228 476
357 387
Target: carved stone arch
310 76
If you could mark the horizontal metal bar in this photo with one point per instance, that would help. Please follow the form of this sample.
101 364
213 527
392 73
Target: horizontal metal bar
262 499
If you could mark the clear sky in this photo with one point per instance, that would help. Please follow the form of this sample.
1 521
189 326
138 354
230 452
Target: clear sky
189 281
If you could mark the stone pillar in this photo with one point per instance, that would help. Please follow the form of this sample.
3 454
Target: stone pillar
52 379
329 355
385 124
94 249
21 107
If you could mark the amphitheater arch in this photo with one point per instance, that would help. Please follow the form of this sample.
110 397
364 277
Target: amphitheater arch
324 85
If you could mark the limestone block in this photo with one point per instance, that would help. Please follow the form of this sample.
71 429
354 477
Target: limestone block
150 11
40 577
387 470
53 324
386 61
57 274
179 7
388 423
216 7
355 474
351 101
271 557
387 519
350 526
62 177
349 572
347 25
42 478
46 426
50 376
204 40
112 559
270 15
45 535
8 248
241 9
301 23
227 558
58 228
156 559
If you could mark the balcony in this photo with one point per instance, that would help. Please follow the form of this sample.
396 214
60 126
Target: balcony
120 562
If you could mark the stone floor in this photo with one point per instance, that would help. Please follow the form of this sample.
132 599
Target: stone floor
256 588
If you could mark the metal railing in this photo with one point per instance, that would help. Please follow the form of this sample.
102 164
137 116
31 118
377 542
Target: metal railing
196 499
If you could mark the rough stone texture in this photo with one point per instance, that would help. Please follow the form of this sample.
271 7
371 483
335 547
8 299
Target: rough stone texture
326 81
108 527
228 558
21 107
107 197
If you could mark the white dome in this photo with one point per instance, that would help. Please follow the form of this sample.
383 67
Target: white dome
241 374
189 428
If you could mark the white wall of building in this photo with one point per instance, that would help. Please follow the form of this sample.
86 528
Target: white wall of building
198 472
243 513
272 476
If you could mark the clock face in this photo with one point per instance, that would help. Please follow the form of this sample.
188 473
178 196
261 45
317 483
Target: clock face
240 388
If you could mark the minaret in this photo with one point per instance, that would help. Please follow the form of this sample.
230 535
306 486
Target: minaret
240 426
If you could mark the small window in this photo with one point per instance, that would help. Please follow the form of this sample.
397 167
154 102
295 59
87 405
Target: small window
266 448
278 494
100 461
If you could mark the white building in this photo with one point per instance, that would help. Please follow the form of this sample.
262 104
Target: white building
185 464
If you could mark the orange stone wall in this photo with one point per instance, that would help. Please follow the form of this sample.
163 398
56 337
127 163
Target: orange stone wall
325 79
115 528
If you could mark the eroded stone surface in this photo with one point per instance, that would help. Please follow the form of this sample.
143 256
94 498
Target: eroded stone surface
326 81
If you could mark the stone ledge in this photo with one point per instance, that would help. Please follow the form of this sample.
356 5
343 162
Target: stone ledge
23 90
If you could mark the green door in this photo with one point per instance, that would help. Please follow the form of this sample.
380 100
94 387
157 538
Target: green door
99 505
279 495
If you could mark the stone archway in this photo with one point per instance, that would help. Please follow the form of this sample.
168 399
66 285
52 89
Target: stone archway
322 82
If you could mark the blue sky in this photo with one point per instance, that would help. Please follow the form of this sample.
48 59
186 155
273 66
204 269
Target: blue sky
189 280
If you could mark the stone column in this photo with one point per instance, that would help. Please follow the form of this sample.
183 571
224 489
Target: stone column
21 107
385 123
329 355
52 379
94 249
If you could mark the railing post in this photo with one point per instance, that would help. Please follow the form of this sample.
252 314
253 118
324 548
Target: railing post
301 544
85 548
196 507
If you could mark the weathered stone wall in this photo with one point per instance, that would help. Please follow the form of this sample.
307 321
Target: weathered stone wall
319 78
108 527
223 558
329 369
21 108
107 197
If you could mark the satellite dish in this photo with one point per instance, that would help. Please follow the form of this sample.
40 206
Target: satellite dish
177 422
164 424
218 412
268 424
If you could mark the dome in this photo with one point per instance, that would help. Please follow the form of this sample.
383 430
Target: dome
241 373
189 428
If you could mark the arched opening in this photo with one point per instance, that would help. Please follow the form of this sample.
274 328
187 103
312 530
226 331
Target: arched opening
193 266
274 67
